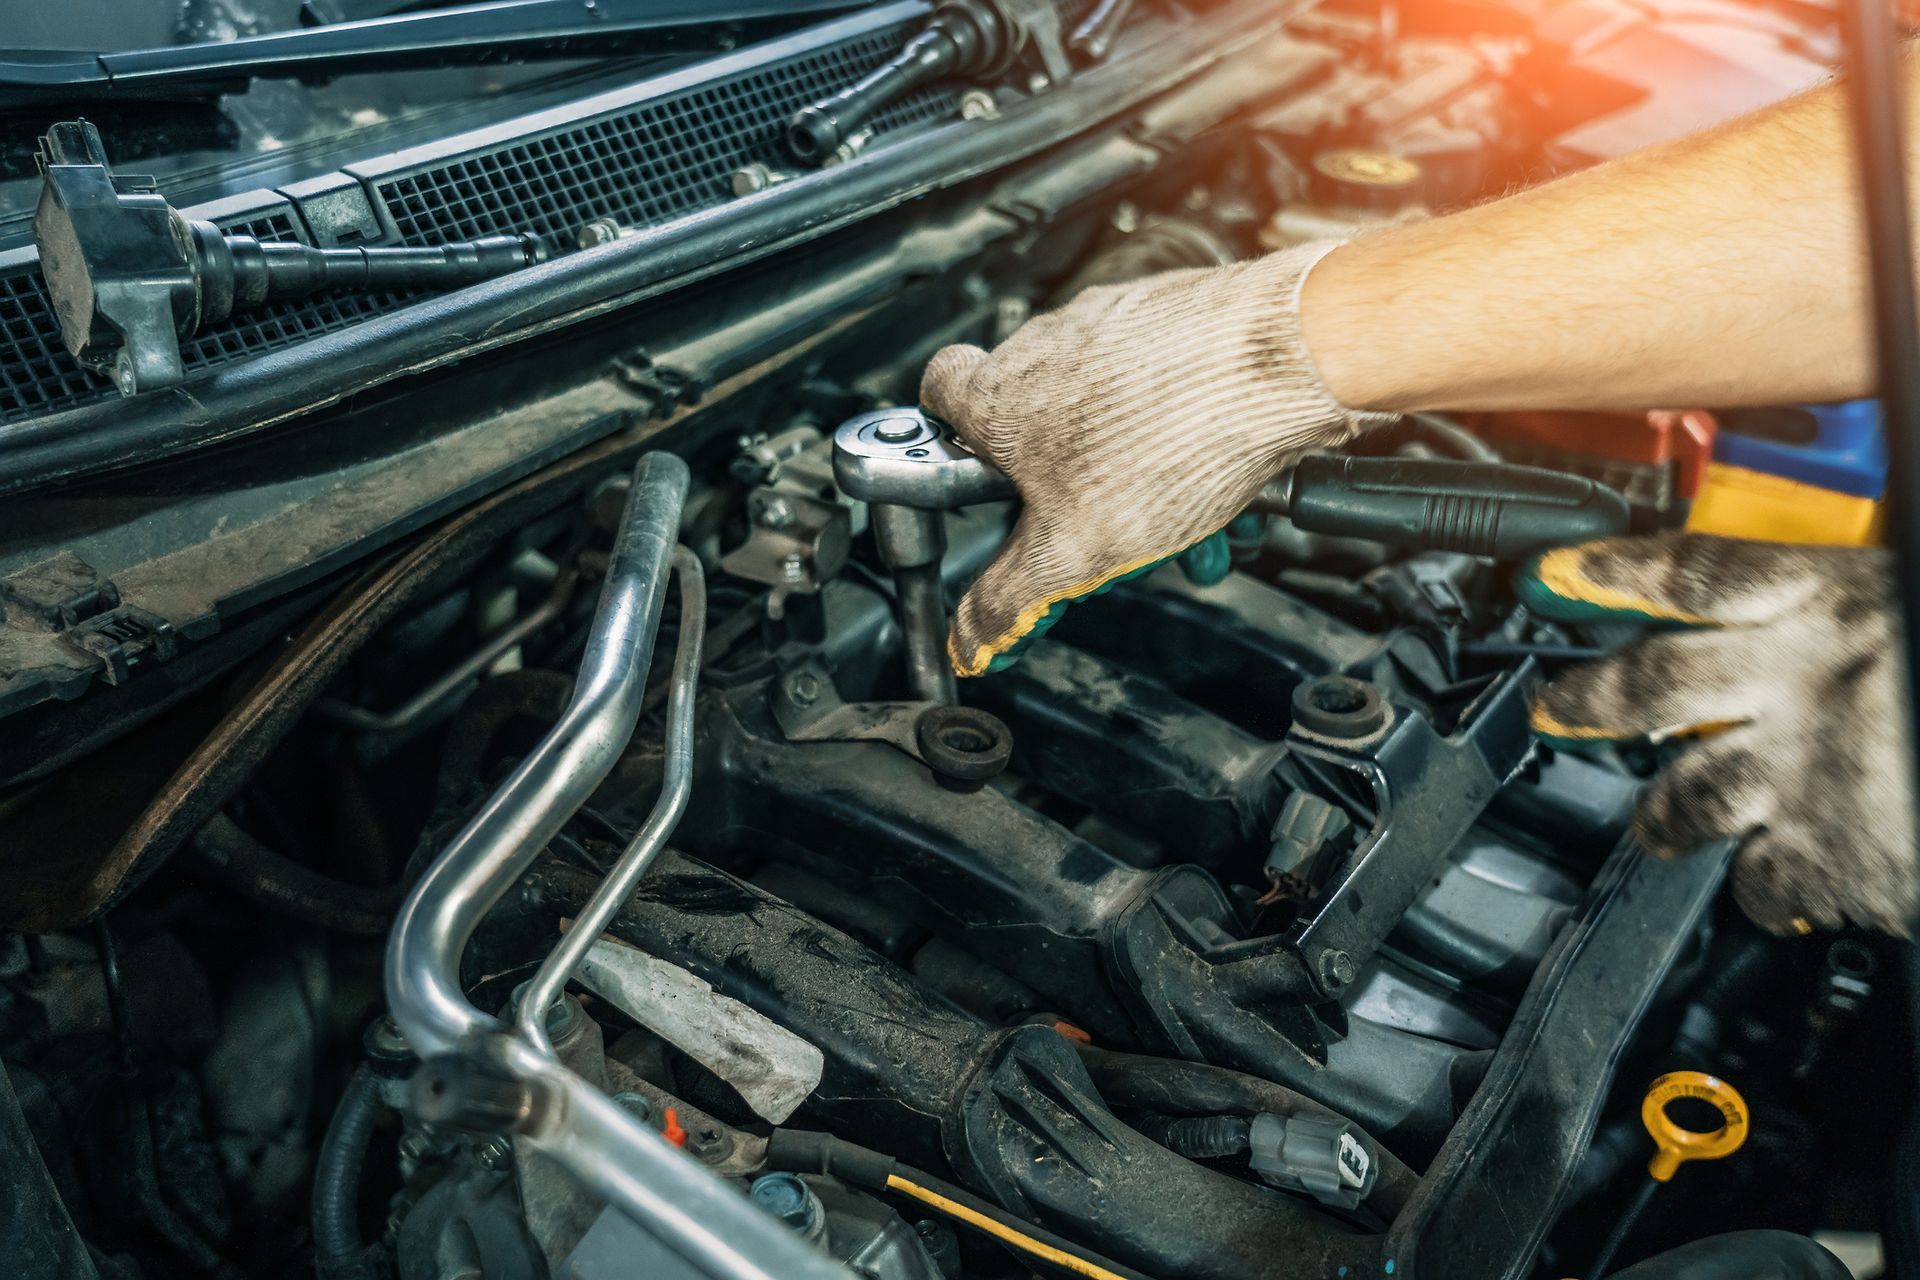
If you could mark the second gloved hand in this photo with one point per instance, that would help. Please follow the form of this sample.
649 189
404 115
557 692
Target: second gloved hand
1786 666
1136 420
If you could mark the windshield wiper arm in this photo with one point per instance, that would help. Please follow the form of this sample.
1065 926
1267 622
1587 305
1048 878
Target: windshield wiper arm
505 30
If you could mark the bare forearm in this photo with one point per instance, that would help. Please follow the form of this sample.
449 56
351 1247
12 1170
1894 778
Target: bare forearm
1723 269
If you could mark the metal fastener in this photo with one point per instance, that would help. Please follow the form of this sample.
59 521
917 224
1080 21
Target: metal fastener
710 1143
793 567
1336 969
978 104
776 513
803 688
597 232
495 1154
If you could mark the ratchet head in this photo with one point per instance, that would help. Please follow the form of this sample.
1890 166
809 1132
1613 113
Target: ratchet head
906 458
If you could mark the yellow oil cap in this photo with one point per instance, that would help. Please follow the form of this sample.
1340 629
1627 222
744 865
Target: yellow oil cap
1676 1144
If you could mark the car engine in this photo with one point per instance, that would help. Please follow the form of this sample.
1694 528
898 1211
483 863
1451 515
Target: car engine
483 796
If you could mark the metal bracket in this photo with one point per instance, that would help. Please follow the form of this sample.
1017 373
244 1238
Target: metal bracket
963 746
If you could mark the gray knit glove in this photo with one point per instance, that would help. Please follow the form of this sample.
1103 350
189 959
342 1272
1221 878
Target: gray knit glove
1785 665
1135 421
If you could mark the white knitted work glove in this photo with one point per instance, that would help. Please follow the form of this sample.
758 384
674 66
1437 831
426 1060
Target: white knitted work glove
1789 673
1135 421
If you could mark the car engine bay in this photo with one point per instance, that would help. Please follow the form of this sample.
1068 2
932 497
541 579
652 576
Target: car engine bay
480 800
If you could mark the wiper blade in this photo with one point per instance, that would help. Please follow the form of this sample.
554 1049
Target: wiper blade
505 30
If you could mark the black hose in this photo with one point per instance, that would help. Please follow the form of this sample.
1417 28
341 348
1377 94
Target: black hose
1742 1255
338 1251
1175 1087
272 880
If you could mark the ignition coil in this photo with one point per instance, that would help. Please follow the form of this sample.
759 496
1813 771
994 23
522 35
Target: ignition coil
130 276
973 39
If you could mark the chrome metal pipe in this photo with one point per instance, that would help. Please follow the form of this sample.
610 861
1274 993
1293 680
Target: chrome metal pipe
701 1219
495 847
676 784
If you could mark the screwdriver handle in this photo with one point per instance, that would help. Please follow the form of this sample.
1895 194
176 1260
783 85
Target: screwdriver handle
1476 508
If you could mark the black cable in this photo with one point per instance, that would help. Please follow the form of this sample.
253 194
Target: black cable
338 1251
1175 1087
1877 101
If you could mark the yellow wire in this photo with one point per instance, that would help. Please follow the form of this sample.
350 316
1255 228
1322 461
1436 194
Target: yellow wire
1001 1231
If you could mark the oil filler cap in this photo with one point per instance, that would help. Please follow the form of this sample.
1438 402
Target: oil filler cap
1675 1143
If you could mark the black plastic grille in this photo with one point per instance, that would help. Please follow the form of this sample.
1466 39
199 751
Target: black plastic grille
659 160
36 373
642 166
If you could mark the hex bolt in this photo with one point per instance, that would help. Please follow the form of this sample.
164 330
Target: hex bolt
1336 969
802 688
413 1144
792 1201
495 1154
793 567
710 1143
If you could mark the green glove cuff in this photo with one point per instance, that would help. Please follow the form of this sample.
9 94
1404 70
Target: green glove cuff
1206 563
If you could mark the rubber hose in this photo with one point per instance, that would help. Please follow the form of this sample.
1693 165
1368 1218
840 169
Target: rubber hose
272 880
1173 1087
1742 1255
338 1252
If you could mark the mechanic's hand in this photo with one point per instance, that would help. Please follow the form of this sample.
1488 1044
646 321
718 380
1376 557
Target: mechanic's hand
1136 420
1790 673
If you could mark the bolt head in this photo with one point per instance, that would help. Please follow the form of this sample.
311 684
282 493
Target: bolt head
978 104
776 513
748 179
709 1143
597 232
793 567
495 1154
1336 969
1038 82
803 688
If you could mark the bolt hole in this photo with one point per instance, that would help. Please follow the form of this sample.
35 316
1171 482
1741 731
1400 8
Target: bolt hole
916 453
965 738
1338 699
